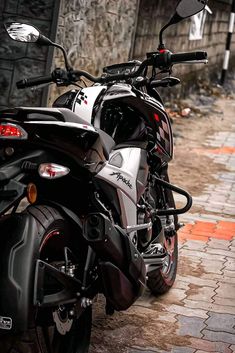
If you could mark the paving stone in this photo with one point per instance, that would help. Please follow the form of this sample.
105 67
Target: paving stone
227 253
198 293
194 245
207 346
223 309
145 350
202 255
182 350
187 311
226 290
212 266
230 265
232 348
174 296
218 244
180 284
228 273
198 281
203 351
221 322
224 301
219 336
190 326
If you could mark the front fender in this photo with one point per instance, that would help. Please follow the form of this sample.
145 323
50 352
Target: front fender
18 253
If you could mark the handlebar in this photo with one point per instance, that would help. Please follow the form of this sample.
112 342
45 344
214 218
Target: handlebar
34 81
161 59
193 56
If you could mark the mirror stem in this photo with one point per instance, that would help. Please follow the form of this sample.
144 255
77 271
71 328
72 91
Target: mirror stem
68 67
161 44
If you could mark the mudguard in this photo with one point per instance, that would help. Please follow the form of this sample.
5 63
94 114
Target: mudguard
18 253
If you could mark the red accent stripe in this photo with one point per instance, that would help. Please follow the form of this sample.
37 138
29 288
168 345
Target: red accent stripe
49 235
156 117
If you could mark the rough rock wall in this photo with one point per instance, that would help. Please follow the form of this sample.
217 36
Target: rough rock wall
19 60
95 33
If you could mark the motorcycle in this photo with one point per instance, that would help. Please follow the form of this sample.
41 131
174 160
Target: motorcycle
100 214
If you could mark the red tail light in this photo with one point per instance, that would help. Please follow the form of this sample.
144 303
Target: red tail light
12 131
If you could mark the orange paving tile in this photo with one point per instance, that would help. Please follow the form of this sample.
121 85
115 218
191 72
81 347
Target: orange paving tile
222 150
226 225
204 225
204 230
185 236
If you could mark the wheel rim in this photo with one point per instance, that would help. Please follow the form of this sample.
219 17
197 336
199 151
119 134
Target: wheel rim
169 246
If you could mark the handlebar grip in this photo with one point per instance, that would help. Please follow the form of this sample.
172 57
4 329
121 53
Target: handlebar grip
30 82
192 56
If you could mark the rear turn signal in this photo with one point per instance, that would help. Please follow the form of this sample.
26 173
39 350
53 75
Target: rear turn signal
12 131
52 170
32 193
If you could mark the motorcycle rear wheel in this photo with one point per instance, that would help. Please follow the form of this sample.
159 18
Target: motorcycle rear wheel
42 338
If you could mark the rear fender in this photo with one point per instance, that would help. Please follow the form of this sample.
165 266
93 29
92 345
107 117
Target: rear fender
18 254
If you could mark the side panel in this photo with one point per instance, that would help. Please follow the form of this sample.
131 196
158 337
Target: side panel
123 176
122 171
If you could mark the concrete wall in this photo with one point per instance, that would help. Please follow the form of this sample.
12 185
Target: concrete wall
153 14
19 60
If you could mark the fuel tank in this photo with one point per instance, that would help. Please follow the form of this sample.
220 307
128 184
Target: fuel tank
128 115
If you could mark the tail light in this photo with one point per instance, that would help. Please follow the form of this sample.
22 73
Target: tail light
12 131
52 170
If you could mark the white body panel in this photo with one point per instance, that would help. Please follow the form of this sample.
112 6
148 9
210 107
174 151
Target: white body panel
85 100
124 179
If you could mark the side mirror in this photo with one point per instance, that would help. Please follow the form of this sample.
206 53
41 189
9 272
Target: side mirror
22 32
184 9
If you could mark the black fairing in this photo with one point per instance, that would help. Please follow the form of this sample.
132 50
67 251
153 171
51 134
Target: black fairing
129 115
18 254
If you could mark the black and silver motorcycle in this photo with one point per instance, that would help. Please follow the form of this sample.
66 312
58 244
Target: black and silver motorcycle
100 215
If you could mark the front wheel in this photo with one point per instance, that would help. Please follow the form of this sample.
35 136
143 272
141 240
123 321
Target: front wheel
160 280
52 330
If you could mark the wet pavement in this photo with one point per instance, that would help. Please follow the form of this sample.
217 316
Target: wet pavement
198 314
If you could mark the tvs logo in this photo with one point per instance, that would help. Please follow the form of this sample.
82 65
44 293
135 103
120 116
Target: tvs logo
82 98
119 176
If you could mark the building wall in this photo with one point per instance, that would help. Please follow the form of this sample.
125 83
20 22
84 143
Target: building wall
95 33
153 14
19 60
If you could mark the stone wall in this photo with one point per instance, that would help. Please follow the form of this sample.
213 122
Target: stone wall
95 33
19 60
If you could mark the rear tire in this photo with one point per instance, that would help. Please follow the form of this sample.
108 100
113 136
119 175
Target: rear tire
53 234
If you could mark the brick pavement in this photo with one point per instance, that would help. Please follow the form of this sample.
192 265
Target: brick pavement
198 314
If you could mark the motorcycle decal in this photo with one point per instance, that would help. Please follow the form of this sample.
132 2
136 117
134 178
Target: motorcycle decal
82 97
163 132
119 176
5 323
84 102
